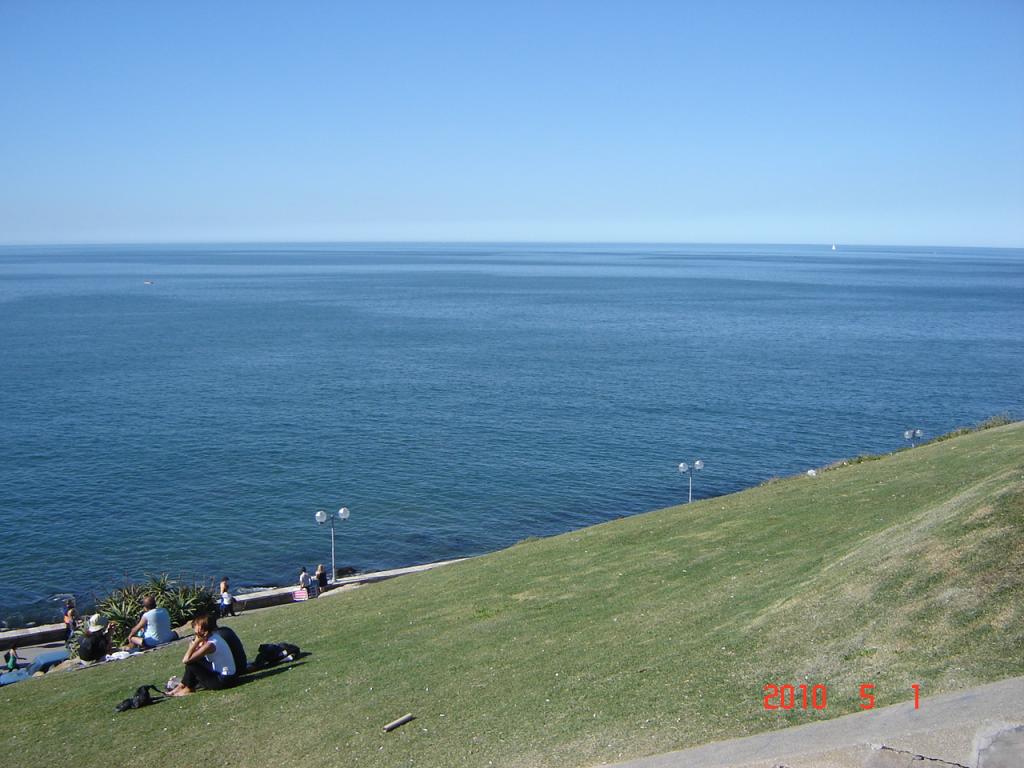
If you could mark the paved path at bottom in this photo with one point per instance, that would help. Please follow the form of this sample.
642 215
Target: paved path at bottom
27 655
955 728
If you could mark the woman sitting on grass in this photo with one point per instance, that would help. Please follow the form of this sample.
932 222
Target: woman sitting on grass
209 662
96 641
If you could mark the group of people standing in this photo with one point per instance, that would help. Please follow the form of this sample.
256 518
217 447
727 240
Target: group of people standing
315 584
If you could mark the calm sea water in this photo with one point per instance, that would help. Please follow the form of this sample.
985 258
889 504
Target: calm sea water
457 398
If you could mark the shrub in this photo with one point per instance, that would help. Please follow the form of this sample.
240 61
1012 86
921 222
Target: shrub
183 602
999 420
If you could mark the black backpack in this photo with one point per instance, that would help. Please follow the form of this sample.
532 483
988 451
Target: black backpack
270 654
140 699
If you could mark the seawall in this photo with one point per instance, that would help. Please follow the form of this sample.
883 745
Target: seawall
50 633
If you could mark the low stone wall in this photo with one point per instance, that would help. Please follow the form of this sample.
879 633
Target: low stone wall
19 638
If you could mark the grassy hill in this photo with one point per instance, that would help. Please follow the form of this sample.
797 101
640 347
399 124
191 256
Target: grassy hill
639 636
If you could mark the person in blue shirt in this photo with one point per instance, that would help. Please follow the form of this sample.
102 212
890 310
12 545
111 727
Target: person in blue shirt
154 628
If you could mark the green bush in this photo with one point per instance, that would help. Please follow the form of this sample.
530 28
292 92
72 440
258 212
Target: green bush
183 601
999 420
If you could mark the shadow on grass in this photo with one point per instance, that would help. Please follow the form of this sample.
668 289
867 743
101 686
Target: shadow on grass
152 702
252 677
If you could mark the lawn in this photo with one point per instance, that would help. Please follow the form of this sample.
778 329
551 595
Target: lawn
639 636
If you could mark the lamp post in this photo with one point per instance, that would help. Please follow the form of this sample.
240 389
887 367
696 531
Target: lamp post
912 435
687 470
321 518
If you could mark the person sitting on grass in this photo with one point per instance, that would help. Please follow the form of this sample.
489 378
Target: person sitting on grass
154 628
96 643
11 660
209 661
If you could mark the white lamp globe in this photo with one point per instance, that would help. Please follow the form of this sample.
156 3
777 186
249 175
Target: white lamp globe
321 517
684 467
343 513
698 464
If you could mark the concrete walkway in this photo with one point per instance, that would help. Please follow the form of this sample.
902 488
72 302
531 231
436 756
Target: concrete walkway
977 728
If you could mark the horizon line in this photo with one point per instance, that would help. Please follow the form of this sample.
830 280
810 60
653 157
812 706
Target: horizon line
319 241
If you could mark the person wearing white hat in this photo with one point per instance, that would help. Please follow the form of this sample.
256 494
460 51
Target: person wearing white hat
96 642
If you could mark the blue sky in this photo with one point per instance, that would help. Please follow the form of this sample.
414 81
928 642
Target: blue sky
860 122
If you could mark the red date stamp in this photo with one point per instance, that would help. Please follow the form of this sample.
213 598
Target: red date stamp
815 696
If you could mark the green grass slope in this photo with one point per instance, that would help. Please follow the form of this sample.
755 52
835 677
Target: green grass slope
643 635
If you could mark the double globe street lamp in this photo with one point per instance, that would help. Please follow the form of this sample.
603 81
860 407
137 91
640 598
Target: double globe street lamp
321 518
688 470
912 435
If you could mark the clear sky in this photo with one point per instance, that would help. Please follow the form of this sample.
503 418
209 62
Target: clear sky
856 122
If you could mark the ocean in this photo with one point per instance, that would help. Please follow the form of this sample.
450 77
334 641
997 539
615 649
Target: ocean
186 409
